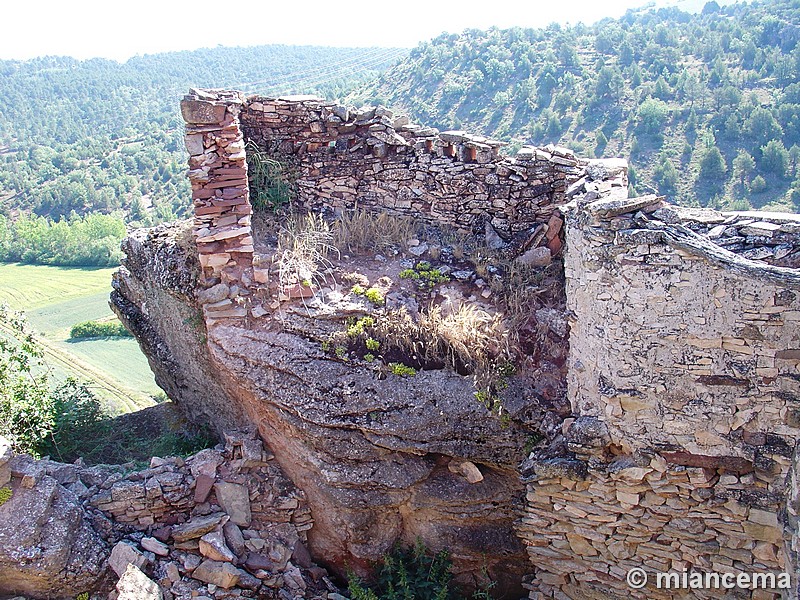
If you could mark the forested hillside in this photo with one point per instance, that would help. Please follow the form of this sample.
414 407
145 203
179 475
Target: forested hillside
80 137
705 106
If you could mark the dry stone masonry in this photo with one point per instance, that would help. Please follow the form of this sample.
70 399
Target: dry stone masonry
218 174
224 523
372 158
684 380
684 359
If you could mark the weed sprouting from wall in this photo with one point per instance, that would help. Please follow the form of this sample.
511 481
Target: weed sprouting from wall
271 183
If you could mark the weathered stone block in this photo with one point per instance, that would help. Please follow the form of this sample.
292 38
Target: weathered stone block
234 500
223 574
124 554
202 112
135 585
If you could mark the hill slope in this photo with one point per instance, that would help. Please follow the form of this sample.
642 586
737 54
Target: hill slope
97 135
706 106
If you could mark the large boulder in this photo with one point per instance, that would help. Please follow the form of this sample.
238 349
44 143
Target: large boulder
48 548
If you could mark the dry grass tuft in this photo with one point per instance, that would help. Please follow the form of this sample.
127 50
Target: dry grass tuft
304 244
362 231
471 337
468 339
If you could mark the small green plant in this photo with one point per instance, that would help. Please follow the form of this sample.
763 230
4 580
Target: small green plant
357 327
413 574
270 180
375 296
425 276
372 345
5 495
326 346
409 274
369 357
402 370
341 352
306 283
484 397
533 439
358 290
493 404
506 369
82 596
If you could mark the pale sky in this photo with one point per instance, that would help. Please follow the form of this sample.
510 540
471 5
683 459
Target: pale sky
112 29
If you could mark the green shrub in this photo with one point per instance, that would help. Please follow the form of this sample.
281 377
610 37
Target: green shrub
357 327
5 495
369 357
425 276
37 417
270 181
95 329
375 296
402 370
412 574
372 345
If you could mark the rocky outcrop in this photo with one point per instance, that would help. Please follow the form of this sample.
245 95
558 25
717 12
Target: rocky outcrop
154 296
378 458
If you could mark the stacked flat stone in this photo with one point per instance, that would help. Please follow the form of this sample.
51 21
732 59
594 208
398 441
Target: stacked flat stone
371 158
228 518
684 369
584 534
222 211
772 238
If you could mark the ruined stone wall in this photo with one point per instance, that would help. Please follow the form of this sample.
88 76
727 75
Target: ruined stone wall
224 523
685 383
220 193
343 158
684 369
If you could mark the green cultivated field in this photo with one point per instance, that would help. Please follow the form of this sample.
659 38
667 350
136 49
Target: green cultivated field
54 299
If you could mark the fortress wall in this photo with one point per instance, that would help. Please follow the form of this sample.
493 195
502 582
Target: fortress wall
684 371
220 194
342 158
685 383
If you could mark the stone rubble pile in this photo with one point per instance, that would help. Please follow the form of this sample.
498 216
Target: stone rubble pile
224 523
773 238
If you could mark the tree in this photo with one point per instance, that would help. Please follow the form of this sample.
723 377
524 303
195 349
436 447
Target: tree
794 158
609 83
775 158
758 185
652 114
794 193
761 126
600 143
743 166
712 165
665 175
